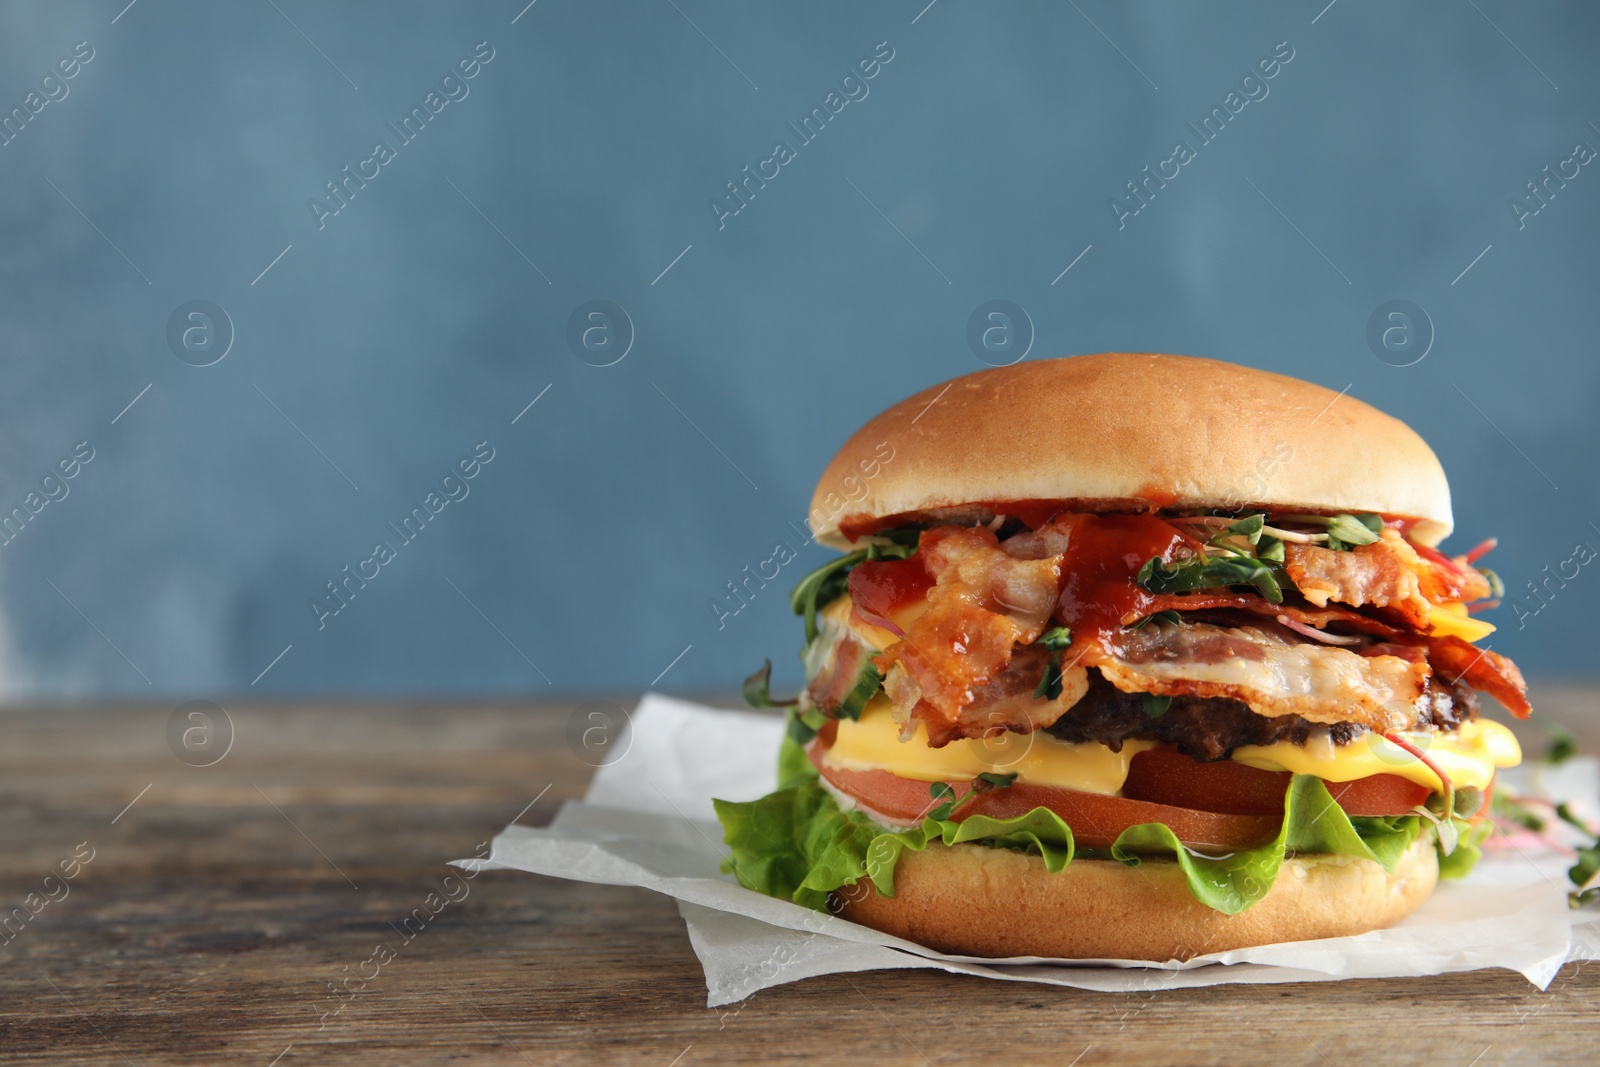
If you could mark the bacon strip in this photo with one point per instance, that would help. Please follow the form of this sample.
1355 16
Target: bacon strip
1272 674
1444 579
1384 574
964 667
1006 701
1257 604
1194 602
982 605
1482 669
1001 704
1392 574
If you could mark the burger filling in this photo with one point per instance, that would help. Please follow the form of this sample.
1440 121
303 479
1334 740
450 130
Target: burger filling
1216 689
1211 728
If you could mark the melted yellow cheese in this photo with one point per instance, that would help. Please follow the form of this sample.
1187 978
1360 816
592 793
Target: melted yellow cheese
1453 620
873 743
1469 757
840 614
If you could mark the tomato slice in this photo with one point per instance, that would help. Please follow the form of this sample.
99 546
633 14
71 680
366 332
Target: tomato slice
1216 806
1167 776
1378 794
1096 820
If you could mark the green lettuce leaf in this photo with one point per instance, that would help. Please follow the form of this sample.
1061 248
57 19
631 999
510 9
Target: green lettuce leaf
1312 823
798 845
794 766
1469 849
829 582
1388 836
1214 572
786 844
1041 832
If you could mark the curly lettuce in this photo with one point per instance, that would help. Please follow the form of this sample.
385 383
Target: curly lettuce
797 844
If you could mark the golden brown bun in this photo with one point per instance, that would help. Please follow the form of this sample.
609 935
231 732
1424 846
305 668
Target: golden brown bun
1125 431
973 900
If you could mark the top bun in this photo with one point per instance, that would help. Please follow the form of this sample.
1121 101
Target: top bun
1130 432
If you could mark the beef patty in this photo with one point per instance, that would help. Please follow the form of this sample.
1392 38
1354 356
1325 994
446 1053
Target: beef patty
1210 728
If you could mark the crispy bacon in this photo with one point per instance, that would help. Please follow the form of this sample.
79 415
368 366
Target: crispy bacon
946 653
970 569
1193 602
1321 617
964 667
1413 653
1006 702
1392 574
1272 674
1482 669
982 605
1444 579
1383 574
1048 540
1257 604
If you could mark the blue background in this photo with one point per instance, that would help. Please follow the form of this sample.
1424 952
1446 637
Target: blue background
412 326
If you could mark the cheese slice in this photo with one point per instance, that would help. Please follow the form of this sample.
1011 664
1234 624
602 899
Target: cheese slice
1468 756
872 743
1452 620
839 614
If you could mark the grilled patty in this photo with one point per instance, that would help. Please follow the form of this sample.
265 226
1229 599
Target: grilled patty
1210 728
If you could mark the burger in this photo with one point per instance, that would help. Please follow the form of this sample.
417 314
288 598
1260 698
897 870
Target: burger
1131 657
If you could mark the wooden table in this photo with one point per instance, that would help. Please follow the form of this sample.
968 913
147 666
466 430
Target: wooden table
219 909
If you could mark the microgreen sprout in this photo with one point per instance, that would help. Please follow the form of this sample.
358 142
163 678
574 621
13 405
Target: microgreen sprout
758 689
983 783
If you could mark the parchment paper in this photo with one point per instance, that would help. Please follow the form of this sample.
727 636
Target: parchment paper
647 821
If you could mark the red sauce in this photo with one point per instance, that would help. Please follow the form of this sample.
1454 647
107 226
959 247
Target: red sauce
1032 513
883 587
1104 555
1097 592
1159 495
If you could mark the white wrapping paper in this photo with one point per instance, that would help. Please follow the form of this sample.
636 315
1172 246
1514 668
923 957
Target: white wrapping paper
647 821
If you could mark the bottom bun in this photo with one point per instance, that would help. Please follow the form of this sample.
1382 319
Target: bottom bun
973 900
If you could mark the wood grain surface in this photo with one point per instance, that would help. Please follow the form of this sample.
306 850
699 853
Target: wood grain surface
220 910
